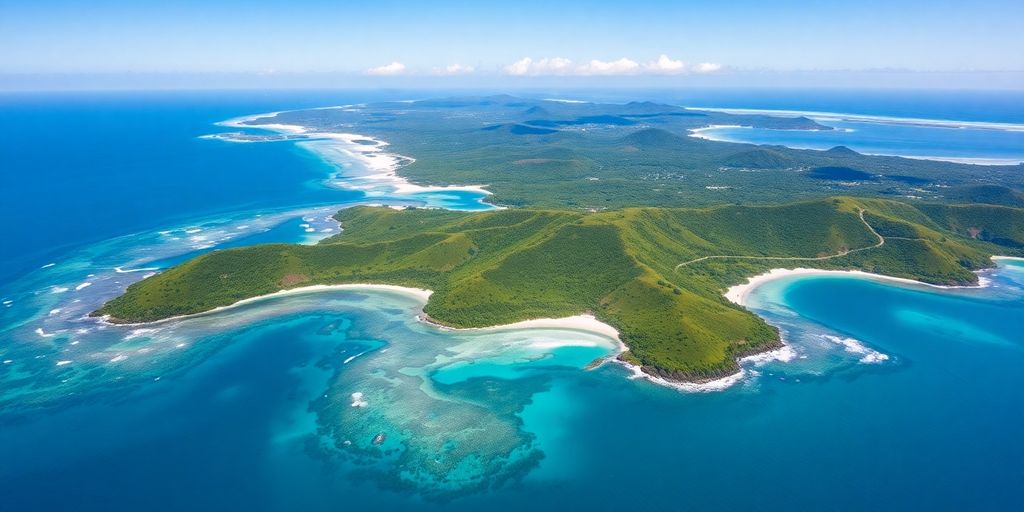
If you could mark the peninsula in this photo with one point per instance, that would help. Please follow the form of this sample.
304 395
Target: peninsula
655 274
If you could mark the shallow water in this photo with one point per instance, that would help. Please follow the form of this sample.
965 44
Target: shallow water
981 143
889 397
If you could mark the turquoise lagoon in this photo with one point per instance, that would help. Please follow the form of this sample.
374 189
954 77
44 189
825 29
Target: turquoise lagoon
887 397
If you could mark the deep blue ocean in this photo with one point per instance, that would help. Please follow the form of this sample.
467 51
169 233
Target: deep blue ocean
888 396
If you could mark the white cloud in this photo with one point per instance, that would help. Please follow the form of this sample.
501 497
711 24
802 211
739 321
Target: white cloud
546 66
562 66
395 68
666 66
454 69
706 67
622 66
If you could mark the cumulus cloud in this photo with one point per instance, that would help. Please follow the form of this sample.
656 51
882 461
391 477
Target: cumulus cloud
622 66
706 67
664 65
547 66
395 68
454 69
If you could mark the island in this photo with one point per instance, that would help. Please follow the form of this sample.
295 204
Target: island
656 274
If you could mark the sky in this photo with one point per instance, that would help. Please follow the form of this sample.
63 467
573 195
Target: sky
192 43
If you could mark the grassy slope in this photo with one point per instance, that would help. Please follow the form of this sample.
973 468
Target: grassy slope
622 265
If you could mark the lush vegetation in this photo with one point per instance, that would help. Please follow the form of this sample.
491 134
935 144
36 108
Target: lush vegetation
638 269
549 154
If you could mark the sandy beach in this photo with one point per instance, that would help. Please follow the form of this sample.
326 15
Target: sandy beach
381 167
700 133
738 294
585 323
316 288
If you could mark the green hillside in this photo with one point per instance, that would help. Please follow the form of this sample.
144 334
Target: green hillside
656 274
548 154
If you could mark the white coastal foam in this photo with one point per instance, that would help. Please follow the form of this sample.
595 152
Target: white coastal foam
121 270
83 286
689 387
135 333
702 133
349 359
856 347
358 401
783 355
381 167
317 288
839 116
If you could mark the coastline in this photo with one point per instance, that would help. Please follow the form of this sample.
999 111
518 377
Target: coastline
382 176
705 133
699 133
815 114
419 293
582 322
739 293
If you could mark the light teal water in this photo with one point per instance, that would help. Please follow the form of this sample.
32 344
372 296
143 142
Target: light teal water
891 398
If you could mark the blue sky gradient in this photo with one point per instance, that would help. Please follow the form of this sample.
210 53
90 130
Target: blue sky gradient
401 40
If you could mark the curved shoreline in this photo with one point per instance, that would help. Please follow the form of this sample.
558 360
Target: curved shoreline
738 294
419 293
710 133
946 123
583 323
381 166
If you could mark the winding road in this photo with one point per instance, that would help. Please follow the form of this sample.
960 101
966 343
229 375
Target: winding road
860 213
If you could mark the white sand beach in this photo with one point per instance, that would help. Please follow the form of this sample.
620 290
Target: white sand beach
738 294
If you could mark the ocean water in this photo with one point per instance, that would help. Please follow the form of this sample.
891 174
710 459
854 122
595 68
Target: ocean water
343 400
983 127
956 141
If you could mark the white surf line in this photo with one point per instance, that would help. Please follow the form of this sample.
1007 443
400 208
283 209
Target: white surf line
706 133
881 242
382 166
583 322
122 270
417 292
942 123
701 133
959 160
